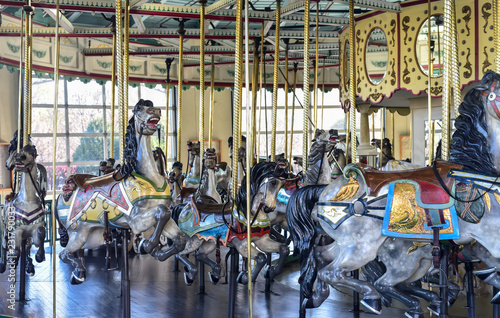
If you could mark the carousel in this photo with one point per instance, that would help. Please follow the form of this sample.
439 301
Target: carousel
360 174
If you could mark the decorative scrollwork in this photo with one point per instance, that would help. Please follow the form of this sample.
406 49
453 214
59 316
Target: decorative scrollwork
468 65
467 11
486 15
393 31
405 22
346 105
161 70
406 72
104 65
486 62
436 90
375 97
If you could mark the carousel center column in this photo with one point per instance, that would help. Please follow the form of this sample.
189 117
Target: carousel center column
365 150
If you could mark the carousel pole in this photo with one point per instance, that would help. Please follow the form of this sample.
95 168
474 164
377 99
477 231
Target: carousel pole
286 97
201 123
168 63
180 73
249 148
255 80
455 71
119 63
20 98
429 81
275 80
496 32
28 47
295 68
261 72
352 85
212 103
445 146
113 90
307 93
323 96
237 99
316 64
54 158
126 25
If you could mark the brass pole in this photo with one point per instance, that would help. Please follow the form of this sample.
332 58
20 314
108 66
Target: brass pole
54 159
455 72
249 153
323 95
286 97
255 80
295 69
392 131
126 26
275 80
212 103
316 64
20 97
373 125
382 135
496 33
348 136
237 95
27 72
305 131
168 63
352 85
261 93
113 90
180 79
201 124
119 64
445 147
429 78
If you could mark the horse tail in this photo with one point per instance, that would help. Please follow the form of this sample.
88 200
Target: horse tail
303 230
63 232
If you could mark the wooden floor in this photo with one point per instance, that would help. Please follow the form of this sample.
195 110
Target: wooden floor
157 290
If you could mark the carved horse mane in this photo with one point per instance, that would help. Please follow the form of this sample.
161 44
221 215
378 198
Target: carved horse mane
470 146
258 174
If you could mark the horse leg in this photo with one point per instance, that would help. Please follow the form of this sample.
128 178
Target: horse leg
160 217
172 231
269 246
202 255
192 244
258 257
30 268
40 235
76 241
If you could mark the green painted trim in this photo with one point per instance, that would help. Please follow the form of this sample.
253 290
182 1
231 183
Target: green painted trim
151 182
157 197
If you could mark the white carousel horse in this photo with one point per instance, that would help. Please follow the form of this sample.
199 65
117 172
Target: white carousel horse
208 224
192 180
136 197
175 178
354 210
24 217
209 186
41 172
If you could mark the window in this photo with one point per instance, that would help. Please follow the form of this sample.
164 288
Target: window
84 124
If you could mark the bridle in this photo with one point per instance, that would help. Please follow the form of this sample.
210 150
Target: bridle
493 98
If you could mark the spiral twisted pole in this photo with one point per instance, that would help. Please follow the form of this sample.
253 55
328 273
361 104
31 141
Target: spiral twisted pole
168 63
352 84
201 124
307 93
295 69
28 53
275 80
457 95
126 27
119 62
316 64
447 80
286 97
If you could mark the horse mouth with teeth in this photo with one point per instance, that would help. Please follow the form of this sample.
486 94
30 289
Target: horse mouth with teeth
152 123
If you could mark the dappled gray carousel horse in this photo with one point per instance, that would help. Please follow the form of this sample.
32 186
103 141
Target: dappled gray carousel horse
175 178
136 197
209 225
395 204
41 173
192 179
24 217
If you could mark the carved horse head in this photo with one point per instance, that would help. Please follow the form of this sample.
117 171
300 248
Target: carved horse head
25 159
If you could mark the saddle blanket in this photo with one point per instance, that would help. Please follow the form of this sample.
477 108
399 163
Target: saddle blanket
414 207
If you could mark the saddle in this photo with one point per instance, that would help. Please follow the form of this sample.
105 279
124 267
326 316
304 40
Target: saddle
102 184
186 193
221 166
205 206
376 179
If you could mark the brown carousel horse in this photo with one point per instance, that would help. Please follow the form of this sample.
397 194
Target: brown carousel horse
136 197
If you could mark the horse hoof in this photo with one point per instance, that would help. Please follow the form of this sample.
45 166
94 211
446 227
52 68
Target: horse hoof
40 257
435 309
76 280
3 267
188 280
414 315
213 278
496 299
242 278
374 305
143 248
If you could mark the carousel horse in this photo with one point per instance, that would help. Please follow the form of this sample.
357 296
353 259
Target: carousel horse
337 161
193 177
41 172
175 178
419 205
209 187
135 197
24 217
242 155
161 161
106 166
385 147
209 225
